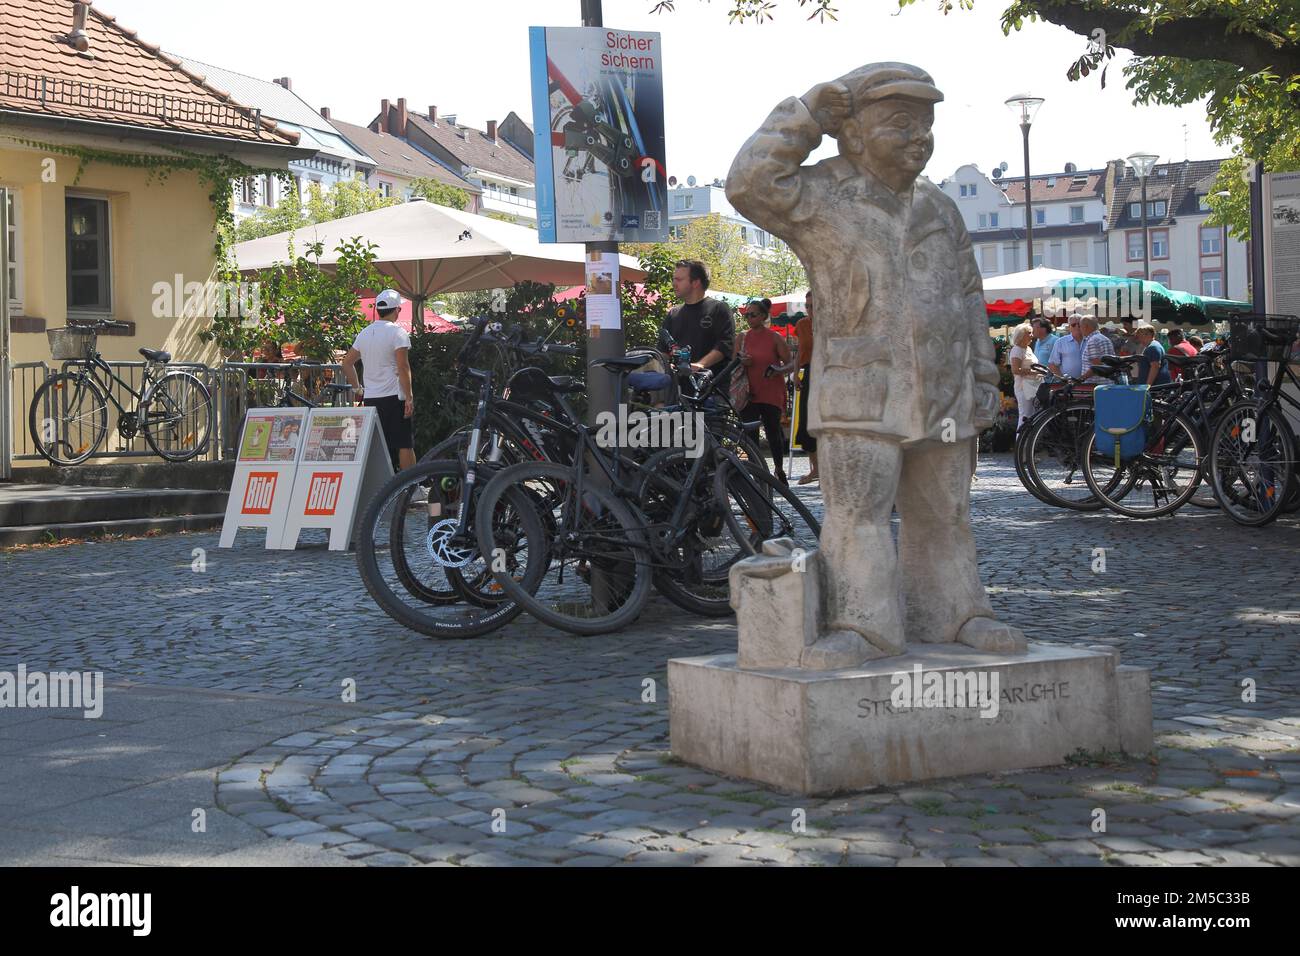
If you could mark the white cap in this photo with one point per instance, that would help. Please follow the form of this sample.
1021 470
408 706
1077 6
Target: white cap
388 299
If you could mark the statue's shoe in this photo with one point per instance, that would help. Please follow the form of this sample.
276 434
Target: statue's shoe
986 634
841 649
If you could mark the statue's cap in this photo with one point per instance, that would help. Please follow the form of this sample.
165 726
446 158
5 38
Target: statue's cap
878 81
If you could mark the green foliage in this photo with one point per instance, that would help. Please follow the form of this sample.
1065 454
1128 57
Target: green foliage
716 243
440 193
320 309
344 198
781 272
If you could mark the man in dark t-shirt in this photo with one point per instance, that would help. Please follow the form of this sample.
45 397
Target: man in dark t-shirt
705 325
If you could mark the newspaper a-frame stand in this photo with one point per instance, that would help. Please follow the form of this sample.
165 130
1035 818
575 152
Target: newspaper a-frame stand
344 462
267 462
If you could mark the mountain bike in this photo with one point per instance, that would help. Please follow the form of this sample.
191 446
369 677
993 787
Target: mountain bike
68 415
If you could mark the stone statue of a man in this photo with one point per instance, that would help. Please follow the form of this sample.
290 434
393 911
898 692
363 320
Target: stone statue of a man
903 373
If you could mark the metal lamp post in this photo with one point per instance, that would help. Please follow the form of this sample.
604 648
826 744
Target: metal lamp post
1223 257
1025 107
1142 164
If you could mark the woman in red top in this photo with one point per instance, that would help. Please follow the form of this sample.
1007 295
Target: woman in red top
766 356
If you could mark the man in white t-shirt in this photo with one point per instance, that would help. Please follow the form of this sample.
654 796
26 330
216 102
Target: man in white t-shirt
383 348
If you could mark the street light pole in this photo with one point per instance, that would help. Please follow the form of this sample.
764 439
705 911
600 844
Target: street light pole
1142 164
609 343
1026 106
1223 251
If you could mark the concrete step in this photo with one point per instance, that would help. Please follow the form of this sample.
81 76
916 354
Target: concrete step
208 475
24 505
37 534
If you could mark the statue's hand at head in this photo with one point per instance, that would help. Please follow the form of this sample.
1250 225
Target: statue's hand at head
830 105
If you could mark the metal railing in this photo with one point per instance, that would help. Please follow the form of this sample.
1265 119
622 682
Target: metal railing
235 388
55 91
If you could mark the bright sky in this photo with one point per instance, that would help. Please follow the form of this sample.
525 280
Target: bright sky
721 79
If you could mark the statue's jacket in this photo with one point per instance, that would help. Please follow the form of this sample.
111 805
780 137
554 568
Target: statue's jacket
901 348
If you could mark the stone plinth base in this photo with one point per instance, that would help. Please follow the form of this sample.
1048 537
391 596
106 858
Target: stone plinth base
817 732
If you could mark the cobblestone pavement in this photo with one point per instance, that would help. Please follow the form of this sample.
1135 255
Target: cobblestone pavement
528 746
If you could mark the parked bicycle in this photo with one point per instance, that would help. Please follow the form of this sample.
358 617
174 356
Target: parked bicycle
68 415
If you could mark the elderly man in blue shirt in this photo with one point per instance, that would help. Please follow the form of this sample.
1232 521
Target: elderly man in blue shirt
1067 354
1044 338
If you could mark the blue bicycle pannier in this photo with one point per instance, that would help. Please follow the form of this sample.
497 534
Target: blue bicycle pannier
1121 414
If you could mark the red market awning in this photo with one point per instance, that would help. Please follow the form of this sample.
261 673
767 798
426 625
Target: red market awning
433 322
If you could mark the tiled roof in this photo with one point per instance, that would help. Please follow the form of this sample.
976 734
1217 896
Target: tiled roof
473 148
1083 184
394 155
1178 187
120 79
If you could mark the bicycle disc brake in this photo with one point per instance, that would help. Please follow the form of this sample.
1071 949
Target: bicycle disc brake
444 553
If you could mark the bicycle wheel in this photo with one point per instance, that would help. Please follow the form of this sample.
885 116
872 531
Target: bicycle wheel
1252 455
1157 482
68 418
1020 455
400 540
700 554
1053 462
759 508
176 416
596 571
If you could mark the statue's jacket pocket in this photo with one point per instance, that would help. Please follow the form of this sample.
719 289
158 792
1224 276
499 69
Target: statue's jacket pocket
854 385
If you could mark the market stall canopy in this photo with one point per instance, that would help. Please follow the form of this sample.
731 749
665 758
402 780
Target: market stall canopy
1028 285
427 249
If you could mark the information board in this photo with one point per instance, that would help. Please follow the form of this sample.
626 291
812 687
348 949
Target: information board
269 445
344 462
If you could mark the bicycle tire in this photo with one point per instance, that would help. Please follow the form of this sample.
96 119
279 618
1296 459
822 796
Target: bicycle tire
1050 434
694 585
1019 452
622 558
1249 490
447 619
201 417
1144 467
756 497
56 389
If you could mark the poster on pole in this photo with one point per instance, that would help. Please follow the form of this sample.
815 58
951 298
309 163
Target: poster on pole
1282 238
602 291
598 120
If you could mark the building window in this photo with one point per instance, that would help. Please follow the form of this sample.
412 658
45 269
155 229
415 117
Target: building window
744 235
268 190
1134 246
1210 236
1078 253
1076 214
1038 255
1159 243
1040 217
961 191
1163 277
993 220
1156 209
1135 210
1212 283
14 266
988 258
87 249
1011 257
984 221
972 189
684 201
386 190
1203 202
247 191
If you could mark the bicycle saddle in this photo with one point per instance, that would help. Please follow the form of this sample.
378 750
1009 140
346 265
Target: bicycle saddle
625 363
1179 360
567 383
1116 361
649 381
156 355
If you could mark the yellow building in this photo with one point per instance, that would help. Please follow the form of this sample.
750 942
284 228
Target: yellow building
109 238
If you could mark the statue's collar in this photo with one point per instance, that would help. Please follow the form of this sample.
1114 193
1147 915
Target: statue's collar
873 186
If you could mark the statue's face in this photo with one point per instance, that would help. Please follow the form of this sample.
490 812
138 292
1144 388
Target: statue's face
892 135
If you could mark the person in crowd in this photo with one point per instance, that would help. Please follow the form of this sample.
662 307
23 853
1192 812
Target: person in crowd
383 348
1153 367
1183 346
803 332
1025 378
1095 346
1067 354
1198 343
705 325
1125 343
766 358
1044 338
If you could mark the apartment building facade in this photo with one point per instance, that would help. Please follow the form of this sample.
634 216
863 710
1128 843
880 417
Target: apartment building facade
687 202
398 164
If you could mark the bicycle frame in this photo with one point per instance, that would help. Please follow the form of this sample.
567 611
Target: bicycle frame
88 368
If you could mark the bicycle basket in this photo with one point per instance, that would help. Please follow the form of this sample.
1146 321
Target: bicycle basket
1245 344
71 344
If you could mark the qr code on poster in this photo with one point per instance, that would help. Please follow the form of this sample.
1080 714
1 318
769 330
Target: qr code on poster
650 219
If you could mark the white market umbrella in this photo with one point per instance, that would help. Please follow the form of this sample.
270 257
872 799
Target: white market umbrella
1028 285
429 249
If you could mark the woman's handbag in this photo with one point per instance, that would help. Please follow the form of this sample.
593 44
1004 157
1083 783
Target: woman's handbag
740 384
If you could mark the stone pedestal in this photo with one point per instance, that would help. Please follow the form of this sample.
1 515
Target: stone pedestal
819 732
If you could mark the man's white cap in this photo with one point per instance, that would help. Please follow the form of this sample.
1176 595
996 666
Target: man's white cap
388 299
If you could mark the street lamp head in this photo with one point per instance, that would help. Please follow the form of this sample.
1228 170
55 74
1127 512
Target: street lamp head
1143 163
1024 106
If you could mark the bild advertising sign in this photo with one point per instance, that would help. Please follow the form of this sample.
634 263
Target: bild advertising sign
598 116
